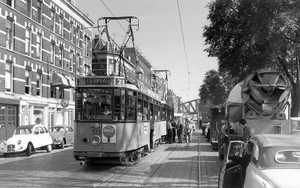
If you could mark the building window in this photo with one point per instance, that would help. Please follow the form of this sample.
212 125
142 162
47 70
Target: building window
71 31
86 69
78 64
39 84
71 94
53 16
10 3
61 93
52 53
8 76
9 33
28 41
60 56
53 91
60 25
39 11
27 82
72 64
29 8
77 36
39 45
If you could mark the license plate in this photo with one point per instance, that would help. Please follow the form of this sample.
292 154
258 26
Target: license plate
96 132
10 149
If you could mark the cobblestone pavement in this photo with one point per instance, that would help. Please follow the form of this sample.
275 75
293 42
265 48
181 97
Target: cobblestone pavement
171 165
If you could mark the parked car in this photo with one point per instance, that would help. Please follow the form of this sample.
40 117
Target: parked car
62 135
28 138
268 160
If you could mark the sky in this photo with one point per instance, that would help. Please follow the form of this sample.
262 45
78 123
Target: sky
170 36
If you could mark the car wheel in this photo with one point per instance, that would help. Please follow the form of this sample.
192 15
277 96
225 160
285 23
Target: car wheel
5 155
29 149
49 148
62 145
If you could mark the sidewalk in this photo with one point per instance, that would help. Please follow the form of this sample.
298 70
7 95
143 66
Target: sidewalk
179 165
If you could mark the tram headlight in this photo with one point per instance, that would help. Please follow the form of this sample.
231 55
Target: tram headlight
85 140
95 140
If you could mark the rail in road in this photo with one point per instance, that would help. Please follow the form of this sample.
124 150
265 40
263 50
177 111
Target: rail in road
171 165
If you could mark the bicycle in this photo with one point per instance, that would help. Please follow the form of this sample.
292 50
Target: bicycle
188 138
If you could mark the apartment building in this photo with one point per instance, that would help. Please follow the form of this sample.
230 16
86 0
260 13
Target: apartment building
44 46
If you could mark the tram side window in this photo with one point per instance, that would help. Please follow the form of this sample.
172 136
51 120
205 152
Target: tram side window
123 97
117 104
146 111
151 111
163 114
139 110
131 105
156 112
159 112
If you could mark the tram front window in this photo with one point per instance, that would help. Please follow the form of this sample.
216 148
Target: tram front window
94 104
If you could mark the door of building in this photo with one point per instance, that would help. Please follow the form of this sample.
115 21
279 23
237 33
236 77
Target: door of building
8 120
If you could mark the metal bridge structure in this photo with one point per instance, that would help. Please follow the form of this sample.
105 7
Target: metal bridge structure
195 109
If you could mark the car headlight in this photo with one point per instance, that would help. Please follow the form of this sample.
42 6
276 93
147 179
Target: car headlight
19 142
57 139
3 143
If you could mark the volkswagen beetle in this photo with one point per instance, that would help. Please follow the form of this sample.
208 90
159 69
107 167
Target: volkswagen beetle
62 135
268 161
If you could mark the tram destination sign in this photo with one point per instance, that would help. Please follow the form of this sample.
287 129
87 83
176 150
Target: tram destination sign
101 81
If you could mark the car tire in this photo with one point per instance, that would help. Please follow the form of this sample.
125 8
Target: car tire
5 155
49 148
62 145
29 149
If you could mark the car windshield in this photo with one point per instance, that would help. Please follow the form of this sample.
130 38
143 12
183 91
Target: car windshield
57 129
280 157
20 131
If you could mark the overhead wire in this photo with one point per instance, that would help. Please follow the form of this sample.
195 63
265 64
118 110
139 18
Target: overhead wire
112 14
183 40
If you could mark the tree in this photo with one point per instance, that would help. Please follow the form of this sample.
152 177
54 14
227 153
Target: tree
212 91
246 35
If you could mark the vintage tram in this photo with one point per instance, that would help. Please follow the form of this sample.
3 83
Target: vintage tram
113 120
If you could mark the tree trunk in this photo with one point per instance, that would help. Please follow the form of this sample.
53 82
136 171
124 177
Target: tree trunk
294 102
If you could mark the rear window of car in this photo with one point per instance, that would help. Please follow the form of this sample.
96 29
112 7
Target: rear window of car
288 156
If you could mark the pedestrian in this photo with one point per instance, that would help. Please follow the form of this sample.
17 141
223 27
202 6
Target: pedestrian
248 132
152 133
170 132
208 131
200 123
179 131
173 123
188 132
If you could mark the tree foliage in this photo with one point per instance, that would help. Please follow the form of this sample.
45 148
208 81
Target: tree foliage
246 35
212 91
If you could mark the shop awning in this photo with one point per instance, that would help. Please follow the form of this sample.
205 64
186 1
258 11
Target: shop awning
62 80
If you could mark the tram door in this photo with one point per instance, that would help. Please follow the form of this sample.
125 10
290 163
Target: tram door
8 121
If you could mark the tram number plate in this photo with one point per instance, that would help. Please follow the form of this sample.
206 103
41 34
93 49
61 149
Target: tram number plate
96 132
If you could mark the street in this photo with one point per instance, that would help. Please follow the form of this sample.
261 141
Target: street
171 165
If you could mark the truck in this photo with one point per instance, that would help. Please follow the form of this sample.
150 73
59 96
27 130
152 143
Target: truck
262 98
217 120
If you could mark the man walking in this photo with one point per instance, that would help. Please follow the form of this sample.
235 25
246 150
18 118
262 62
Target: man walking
170 132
